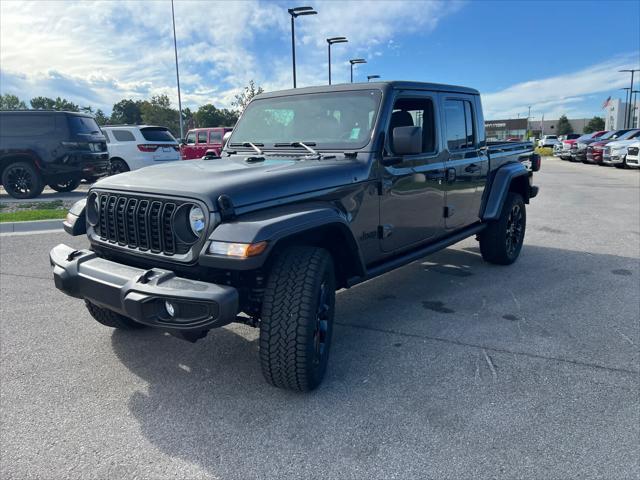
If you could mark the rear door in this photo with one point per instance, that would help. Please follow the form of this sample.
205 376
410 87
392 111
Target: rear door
215 140
202 143
413 191
465 164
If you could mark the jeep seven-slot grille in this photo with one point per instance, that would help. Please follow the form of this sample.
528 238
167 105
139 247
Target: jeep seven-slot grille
140 223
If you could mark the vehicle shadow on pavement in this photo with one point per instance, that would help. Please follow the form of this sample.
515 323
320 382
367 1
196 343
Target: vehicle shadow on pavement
406 346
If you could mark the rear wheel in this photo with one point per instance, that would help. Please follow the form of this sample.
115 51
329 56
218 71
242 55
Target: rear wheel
118 166
65 185
111 319
22 180
502 240
297 318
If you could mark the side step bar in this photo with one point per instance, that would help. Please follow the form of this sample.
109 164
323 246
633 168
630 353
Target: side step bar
413 255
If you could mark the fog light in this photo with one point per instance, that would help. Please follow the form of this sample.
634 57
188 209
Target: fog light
171 310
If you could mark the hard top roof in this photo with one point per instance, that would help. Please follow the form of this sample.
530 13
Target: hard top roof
392 84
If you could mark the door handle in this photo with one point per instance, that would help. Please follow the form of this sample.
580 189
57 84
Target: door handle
473 168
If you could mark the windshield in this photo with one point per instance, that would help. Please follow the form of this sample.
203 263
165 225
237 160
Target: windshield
608 135
629 134
335 120
84 125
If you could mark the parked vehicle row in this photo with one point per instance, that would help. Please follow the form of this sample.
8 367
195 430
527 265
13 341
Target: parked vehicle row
601 148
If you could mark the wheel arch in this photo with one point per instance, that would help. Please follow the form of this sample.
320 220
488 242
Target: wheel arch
513 177
8 159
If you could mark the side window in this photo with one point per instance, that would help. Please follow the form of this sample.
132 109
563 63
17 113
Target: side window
202 137
215 136
415 112
191 138
459 123
123 136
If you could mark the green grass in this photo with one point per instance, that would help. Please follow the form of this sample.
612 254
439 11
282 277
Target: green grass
27 215
42 205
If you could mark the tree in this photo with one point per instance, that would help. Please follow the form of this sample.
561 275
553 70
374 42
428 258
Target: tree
101 118
127 111
158 111
243 98
46 103
11 102
595 125
564 127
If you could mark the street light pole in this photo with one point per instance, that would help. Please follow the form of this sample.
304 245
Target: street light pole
626 104
175 49
331 41
296 12
632 70
634 108
528 117
354 61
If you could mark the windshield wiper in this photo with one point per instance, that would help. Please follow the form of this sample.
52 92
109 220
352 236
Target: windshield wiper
255 146
306 146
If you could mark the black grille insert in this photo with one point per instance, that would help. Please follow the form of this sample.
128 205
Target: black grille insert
141 223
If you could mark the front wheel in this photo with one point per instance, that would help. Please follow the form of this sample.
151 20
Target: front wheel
297 318
502 240
22 180
66 185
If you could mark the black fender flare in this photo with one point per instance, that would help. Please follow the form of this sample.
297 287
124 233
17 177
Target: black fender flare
499 187
278 225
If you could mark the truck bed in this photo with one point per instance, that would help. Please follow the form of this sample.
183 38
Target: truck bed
505 152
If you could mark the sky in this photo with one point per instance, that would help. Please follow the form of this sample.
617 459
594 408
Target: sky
557 57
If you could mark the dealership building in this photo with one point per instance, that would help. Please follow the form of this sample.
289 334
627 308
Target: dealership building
500 130
615 111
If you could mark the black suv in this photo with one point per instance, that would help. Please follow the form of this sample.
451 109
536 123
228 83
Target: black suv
45 147
318 189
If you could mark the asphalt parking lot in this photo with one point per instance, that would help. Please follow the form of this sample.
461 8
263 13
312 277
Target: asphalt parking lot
447 368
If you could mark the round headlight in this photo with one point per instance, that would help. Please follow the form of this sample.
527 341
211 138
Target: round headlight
93 209
196 220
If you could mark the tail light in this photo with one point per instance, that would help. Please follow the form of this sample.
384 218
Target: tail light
147 147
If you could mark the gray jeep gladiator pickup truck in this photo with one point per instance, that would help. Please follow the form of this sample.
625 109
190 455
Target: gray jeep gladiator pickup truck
317 189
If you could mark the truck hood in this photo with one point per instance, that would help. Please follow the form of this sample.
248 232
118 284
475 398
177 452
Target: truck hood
245 182
620 143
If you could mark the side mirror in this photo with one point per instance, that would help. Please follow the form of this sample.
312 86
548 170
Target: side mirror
225 139
407 140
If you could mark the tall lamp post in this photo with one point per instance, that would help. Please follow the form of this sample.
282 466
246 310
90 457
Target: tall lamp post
297 12
634 108
372 77
632 71
331 41
626 104
175 49
353 62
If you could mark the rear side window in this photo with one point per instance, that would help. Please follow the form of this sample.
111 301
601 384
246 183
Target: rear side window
157 134
202 137
459 123
123 135
83 125
28 125
215 137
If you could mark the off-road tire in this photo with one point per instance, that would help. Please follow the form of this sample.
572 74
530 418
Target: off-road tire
65 186
297 318
494 239
111 319
22 180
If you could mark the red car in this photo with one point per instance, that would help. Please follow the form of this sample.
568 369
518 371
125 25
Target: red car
199 141
565 153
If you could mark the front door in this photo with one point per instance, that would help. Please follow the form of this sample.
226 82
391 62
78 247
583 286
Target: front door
203 143
466 163
189 146
412 202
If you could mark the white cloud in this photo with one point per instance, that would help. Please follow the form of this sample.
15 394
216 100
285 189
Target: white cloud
562 94
97 52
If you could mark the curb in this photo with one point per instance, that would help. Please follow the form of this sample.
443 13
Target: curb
32 226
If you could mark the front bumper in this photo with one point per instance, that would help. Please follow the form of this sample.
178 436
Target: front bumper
613 158
141 294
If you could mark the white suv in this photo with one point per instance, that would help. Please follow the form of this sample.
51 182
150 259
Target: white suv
633 155
548 141
135 146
